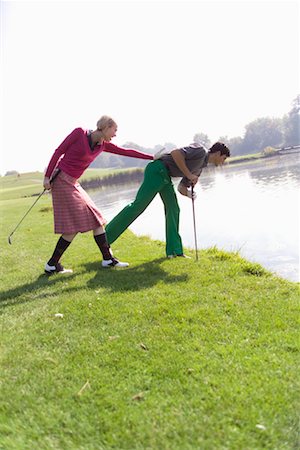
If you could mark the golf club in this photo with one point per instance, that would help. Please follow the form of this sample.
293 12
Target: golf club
194 219
51 180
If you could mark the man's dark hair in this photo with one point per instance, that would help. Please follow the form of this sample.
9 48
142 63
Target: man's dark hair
220 147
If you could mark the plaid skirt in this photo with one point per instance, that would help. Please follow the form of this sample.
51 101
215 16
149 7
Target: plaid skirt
74 211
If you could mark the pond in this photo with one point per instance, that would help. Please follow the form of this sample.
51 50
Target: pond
251 208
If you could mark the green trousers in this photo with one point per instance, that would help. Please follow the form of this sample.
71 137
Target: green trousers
156 180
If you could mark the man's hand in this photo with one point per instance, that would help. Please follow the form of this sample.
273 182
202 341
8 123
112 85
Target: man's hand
180 162
187 192
191 194
194 179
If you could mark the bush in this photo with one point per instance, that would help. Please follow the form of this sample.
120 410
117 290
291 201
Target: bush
269 151
12 172
254 269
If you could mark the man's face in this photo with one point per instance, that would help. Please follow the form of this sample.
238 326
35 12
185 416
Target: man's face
219 159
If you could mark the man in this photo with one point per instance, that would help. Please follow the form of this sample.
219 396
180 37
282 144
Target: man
185 162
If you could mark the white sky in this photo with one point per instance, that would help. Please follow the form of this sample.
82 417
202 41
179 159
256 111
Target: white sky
164 70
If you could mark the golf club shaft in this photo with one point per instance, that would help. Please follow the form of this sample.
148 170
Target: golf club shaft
39 196
194 219
26 214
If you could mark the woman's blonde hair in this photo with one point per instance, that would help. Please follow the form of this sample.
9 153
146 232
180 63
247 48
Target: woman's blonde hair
105 122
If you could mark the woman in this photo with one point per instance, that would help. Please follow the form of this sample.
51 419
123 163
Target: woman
74 211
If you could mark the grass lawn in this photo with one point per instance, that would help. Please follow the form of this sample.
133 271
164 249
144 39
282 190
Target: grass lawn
166 354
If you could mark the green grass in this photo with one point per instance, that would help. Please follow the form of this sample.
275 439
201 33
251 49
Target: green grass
167 354
249 157
26 184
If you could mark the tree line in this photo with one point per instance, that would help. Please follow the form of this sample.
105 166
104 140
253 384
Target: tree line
259 134
268 132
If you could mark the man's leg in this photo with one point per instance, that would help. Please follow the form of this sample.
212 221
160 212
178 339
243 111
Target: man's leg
155 178
172 211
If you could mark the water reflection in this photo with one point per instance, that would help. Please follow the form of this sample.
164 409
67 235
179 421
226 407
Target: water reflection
253 209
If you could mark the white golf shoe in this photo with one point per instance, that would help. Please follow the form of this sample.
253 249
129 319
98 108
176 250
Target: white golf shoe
57 268
113 263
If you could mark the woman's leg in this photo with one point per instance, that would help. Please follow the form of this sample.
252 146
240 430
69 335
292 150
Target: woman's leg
108 258
53 265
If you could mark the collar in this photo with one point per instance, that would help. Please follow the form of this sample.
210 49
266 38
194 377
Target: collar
89 136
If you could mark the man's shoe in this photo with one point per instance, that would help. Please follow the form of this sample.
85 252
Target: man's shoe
57 268
113 262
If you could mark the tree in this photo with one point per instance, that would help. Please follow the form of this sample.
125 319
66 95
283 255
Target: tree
261 133
225 140
292 124
202 139
235 146
12 172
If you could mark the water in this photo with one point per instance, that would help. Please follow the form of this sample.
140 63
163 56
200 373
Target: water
253 209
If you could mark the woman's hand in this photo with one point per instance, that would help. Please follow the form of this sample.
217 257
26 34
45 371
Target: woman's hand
47 184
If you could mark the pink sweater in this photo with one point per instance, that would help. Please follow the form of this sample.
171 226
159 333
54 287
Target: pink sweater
74 154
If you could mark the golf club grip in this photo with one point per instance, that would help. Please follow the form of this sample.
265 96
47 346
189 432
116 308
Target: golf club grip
54 176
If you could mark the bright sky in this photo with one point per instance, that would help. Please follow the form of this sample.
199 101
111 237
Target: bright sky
164 70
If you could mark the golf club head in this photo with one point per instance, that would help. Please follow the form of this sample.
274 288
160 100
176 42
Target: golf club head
9 239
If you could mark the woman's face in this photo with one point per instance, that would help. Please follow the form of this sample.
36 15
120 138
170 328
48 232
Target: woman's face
110 132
